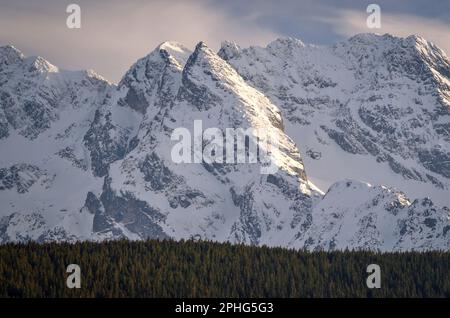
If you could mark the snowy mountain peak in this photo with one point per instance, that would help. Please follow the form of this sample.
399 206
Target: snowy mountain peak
170 54
202 53
414 46
176 50
39 64
420 43
10 55
361 216
205 59
371 108
355 186
34 92
92 74
369 38
228 50
380 97
285 44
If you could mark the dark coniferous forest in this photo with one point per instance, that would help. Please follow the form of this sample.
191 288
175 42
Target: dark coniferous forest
206 269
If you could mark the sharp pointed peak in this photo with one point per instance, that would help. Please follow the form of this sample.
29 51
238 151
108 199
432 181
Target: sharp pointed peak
166 53
172 51
38 63
202 47
201 52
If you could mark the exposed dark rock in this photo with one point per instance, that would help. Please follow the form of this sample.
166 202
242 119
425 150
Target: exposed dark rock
134 214
436 160
136 100
103 148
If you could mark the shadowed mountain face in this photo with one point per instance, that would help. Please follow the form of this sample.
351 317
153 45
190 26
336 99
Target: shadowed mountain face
83 159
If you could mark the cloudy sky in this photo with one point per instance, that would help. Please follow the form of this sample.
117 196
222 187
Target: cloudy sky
114 33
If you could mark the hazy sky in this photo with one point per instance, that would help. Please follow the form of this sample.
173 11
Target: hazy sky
114 33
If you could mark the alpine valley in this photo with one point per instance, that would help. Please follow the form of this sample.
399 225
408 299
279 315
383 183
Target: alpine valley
363 156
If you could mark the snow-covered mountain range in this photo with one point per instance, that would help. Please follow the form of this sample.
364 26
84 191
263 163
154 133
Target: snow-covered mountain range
85 159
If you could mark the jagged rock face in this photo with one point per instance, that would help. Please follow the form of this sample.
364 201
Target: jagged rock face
31 227
21 177
106 141
45 169
219 201
83 159
144 80
33 92
145 88
122 215
379 102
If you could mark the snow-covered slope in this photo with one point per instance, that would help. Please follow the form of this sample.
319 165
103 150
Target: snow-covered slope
84 159
358 215
372 108
44 167
218 201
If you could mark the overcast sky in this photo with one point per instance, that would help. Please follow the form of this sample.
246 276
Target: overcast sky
114 33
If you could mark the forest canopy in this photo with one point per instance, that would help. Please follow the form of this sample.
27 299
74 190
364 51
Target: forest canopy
205 269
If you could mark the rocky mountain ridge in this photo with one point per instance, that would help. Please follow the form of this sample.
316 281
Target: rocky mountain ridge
83 159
